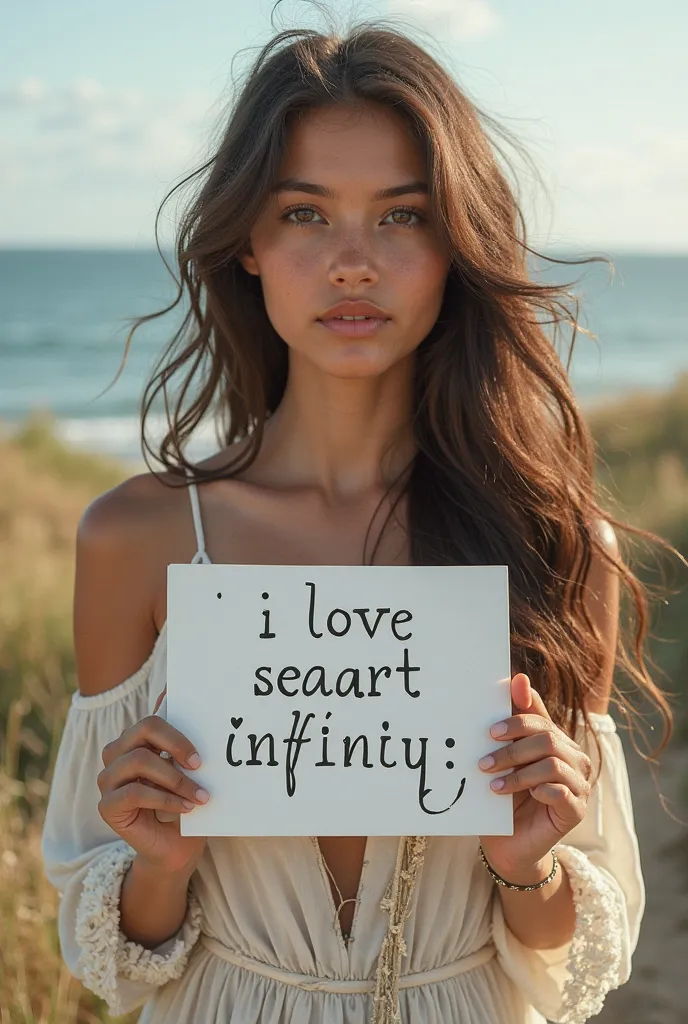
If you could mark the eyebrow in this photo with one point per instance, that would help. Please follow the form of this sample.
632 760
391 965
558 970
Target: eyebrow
295 185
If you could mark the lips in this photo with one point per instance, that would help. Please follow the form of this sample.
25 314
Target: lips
354 328
354 308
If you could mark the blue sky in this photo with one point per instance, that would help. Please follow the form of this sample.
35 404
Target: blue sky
104 106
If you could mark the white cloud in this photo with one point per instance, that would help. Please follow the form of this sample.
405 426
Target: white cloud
460 19
651 163
86 162
628 194
85 129
87 91
26 92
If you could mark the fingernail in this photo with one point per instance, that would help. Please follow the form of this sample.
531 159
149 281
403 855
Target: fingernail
486 762
194 762
189 806
499 729
497 784
202 795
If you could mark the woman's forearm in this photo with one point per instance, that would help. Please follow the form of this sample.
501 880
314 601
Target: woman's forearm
153 904
542 918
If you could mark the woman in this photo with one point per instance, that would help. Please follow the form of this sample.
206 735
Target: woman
354 179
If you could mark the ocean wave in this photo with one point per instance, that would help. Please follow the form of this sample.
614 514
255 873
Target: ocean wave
120 436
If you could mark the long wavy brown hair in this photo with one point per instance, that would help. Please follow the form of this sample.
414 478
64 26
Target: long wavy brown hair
505 466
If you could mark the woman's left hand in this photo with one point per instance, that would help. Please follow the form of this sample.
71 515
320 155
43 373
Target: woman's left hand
550 782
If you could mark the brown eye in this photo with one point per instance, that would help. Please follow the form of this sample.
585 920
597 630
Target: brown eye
286 216
409 211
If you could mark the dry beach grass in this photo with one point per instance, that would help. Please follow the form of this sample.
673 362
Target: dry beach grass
643 443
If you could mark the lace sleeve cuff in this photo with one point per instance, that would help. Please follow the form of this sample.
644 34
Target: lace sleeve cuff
595 963
106 953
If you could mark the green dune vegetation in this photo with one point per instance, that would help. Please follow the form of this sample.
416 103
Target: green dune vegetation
643 467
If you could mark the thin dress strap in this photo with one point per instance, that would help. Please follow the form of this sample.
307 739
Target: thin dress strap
201 554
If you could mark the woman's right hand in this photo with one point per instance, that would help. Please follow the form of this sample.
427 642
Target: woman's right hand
136 782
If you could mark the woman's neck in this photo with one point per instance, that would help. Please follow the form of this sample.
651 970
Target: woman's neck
345 437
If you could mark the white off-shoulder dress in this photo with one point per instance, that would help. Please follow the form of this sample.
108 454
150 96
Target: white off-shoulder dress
261 940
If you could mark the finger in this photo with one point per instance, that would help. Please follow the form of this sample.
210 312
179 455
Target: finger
159 701
143 764
523 725
137 796
560 797
544 743
157 734
550 770
525 698
164 817
521 692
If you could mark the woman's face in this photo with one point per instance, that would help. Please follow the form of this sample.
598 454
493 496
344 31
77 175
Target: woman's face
313 251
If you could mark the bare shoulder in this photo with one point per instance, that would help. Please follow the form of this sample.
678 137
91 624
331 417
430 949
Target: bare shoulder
606 536
120 515
125 539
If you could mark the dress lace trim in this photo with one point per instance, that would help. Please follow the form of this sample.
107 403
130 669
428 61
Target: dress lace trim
397 902
595 953
106 951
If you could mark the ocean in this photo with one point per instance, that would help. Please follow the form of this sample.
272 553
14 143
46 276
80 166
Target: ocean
63 324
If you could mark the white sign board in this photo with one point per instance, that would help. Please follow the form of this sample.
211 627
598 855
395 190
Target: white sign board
340 700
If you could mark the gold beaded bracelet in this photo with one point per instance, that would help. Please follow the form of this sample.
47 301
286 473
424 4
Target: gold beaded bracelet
521 888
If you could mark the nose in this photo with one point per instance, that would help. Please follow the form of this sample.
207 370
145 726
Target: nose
352 267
